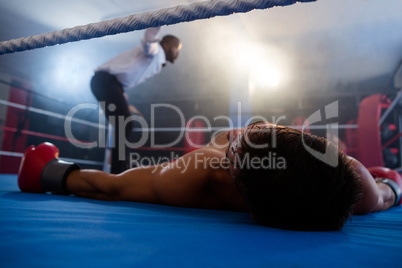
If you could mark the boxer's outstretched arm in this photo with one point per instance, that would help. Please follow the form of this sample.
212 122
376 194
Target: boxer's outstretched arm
377 196
181 183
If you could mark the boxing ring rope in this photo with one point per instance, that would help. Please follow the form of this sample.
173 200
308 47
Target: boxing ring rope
38 134
47 136
167 16
152 129
389 106
155 129
79 161
164 129
175 129
100 126
52 114
30 91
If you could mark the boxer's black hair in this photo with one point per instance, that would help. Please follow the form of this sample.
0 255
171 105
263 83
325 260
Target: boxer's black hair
299 191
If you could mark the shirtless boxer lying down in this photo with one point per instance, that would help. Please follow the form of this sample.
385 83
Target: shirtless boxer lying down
263 169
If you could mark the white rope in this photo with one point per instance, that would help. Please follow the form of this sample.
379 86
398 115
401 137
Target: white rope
75 160
167 16
178 129
154 129
52 114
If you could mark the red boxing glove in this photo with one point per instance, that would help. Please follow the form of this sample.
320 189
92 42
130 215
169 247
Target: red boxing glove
41 171
391 178
32 165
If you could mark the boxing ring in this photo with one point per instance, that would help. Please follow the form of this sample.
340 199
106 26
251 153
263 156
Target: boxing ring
42 230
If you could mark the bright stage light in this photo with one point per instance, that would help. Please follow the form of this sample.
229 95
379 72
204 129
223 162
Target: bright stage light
264 75
259 62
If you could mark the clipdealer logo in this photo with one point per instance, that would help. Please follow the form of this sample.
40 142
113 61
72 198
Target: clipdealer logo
330 156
